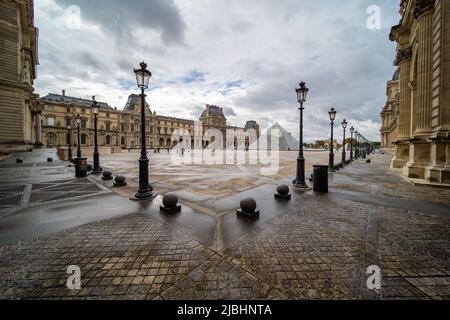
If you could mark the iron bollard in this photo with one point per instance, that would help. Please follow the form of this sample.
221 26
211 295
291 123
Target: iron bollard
320 178
81 167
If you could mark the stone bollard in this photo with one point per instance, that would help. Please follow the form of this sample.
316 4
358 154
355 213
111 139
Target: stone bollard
107 175
311 178
120 181
49 159
248 210
19 160
170 204
283 192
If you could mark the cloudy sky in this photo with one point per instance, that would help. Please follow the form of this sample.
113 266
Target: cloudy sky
247 56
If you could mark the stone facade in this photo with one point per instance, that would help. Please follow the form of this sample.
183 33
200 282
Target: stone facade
390 114
18 59
121 128
422 143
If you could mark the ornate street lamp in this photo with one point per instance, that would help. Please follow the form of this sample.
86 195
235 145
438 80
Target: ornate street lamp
332 114
344 126
95 110
356 145
363 147
299 182
145 189
116 130
79 137
352 131
69 130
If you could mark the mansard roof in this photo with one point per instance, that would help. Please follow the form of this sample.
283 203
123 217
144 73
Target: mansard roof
213 111
396 76
80 101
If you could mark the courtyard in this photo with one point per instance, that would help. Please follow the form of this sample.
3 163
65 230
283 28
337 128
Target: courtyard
316 246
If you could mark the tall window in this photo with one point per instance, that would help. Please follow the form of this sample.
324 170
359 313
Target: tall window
68 122
83 139
83 123
122 127
108 140
132 127
51 122
108 126
51 139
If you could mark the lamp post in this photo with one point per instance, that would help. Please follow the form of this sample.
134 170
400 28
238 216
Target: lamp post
117 136
145 189
352 131
363 147
356 145
95 109
69 130
344 126
332 114
79 137
299 182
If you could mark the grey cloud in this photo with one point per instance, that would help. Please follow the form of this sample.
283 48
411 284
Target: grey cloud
229 112
118 17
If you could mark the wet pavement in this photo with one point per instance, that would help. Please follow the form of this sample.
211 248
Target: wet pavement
312 247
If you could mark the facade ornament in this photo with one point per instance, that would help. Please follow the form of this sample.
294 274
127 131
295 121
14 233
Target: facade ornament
402 55
422 7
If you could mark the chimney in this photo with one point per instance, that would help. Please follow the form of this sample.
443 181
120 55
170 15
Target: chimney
63 95
221 109
93 98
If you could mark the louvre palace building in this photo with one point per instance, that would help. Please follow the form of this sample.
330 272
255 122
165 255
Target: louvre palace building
416 118
121 128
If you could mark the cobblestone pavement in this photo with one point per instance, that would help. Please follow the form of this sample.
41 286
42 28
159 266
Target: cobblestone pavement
316 247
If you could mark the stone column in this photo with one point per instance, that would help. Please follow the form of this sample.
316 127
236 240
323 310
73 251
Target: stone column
401 154
404 115
38 128
424 68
